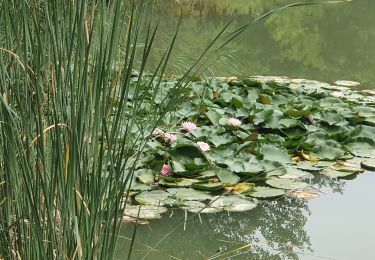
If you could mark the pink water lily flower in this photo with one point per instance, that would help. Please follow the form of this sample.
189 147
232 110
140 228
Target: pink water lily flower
337 94
169 137
189 126
234 122
204 146
166 170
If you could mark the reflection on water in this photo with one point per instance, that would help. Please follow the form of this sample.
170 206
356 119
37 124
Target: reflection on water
327 42
273 230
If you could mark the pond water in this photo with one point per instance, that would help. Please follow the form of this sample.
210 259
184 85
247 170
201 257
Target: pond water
324 42
327 43
337 225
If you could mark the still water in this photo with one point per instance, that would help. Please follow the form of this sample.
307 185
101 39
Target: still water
322 42
338 225
326 43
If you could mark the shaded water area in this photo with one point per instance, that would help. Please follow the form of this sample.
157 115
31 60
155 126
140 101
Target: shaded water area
328 43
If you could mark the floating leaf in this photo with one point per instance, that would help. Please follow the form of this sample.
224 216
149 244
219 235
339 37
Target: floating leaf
346 167
336 174
227 177
286 184
369 164
233 203
188 194
294 173
155 198
274 153
265 192
210 186
145 176
244 165
308 166
363 147
183 182
206 174
145 211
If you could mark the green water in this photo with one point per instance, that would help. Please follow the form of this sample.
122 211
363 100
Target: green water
327 43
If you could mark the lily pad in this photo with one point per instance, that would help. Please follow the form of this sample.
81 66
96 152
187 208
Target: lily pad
189 194
145 176
287 184
145 211
233 203
265 192
183 182
210 186
155 198
369 164
336 174
274 153
227 177
294 173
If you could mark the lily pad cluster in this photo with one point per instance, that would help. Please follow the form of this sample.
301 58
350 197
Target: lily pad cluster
236 141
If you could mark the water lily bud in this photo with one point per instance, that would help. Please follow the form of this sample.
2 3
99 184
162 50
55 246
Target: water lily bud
189 126
234 122
170 137
166 170
204 146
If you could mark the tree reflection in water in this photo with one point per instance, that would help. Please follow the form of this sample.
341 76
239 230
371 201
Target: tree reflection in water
273 230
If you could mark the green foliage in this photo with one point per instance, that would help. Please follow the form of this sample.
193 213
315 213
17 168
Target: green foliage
77 110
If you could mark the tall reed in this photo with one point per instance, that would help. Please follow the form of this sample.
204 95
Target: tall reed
73 121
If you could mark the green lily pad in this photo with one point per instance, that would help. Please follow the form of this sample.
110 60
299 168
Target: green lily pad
244 165
145 211
294 173
336 174
286 184
346 167
265 192
274 153
206 174
227 177
188 194
180 182
307 166
145 176
233 203
155 198
363 147
369 164
210 186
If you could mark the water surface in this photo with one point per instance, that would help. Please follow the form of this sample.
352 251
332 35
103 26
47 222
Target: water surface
327 43
337 225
